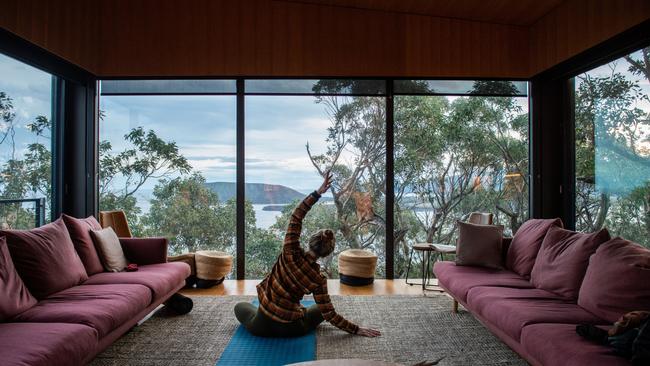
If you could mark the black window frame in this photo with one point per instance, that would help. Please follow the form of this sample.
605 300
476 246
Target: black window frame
552 107
388 94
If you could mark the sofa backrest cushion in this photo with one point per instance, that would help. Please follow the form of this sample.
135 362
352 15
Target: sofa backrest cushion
479 245
14 296
617 280
79 230
562 260
526 243
45 258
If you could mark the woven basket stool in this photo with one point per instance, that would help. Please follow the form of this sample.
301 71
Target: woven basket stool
189 259
357 267
211 267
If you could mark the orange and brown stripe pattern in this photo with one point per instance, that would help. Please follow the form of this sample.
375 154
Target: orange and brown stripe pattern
294 275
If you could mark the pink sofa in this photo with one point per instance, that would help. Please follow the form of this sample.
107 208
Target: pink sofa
71 326
535 302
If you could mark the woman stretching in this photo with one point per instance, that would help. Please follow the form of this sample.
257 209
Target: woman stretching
294 275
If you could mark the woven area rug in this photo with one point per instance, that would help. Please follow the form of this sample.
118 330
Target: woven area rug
415 328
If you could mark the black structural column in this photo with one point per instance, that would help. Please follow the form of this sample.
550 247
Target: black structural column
241 183
390 183
79 160
547 147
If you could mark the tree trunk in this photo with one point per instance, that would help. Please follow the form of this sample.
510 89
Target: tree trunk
602 212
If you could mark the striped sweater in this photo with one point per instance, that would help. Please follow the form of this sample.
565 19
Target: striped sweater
294 275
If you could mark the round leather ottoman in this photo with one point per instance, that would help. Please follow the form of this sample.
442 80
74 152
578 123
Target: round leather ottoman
357 267
211 267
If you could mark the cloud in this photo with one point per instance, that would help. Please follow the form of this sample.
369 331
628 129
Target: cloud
30 90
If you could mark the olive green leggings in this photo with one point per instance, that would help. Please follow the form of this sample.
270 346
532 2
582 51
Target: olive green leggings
261 325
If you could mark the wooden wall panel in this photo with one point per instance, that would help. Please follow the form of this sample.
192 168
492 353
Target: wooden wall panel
148 38
517 12
577 25
54 25
279 38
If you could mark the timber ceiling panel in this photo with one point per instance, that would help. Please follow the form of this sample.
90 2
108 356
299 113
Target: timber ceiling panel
512 12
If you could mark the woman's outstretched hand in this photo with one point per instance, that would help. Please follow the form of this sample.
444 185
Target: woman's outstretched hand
367 332
327 183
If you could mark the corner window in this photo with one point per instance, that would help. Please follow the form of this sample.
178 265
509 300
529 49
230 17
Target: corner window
26 130
612 148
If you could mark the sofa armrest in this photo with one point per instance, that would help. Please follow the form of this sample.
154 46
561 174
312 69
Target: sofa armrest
144 251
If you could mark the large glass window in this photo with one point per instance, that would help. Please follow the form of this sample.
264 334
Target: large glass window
290 142
455 155
612 144
25 145
169 161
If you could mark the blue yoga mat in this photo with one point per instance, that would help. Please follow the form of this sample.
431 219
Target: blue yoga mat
247 349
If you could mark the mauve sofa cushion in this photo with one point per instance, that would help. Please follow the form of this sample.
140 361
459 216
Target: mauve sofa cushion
102 307
460 279
511 309
558 344
45 258
479 245
14 296
159 278
526 243
617 280
46 344
79 230
562 260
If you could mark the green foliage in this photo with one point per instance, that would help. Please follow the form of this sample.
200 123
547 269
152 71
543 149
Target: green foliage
612 129
122 174
262 249
451 157
26 173
494 87
150 157
191 216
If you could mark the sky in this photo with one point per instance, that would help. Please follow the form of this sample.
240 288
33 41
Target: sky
204 128
30 89
621 66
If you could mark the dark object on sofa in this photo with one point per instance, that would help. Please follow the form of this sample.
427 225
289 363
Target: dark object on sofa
180 304
633 319
631 341
541 325
72 325
592 333
642 346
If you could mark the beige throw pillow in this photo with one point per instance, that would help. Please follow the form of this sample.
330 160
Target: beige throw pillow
109 249
479 245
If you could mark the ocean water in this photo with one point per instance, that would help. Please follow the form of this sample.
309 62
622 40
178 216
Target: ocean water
264 219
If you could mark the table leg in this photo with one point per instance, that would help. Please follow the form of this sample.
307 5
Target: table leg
423 273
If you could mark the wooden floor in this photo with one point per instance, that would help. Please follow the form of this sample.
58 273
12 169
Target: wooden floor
379 287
